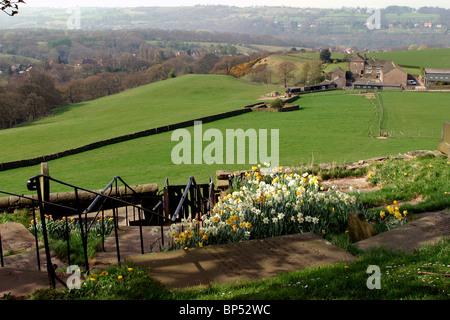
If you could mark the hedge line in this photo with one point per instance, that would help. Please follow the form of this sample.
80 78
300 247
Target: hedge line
95 145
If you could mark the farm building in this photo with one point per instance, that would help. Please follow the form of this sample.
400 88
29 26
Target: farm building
436 76
387 71
338 76
367 84
391 73
324 86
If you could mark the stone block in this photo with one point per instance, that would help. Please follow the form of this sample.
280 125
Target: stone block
16 237
223 184
223 174
358 227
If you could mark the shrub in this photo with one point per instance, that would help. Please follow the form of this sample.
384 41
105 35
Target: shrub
277 104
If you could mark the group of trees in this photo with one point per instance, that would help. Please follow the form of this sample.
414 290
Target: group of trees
27 97
31 94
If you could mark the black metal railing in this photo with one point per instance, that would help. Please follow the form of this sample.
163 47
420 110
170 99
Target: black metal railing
106 199
175 203
190 200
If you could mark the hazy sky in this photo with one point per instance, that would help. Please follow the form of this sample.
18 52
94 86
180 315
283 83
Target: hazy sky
241 3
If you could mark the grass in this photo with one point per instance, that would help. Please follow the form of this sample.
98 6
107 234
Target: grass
401 114
420 275
399 280
430 58
426 178
400 274
165 102
305 138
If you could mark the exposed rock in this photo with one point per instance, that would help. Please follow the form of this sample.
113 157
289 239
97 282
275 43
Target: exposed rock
358 227
15 237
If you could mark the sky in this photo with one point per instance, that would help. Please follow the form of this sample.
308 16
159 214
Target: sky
240 3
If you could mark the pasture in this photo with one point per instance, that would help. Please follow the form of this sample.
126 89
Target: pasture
146 107
338 126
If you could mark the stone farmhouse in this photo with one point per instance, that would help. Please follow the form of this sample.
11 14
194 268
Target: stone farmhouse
338 76
384 71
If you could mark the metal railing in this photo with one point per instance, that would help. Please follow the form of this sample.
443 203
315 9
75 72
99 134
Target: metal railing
104 199
196 200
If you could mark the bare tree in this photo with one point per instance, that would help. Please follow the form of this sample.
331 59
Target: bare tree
285 71
10 7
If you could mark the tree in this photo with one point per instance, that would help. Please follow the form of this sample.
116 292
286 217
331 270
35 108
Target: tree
311 73
260 74
206 63
285 71
325 55
10 7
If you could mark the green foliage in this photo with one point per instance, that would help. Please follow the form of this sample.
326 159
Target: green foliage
276 104
426 177
114 283
67 228
325 55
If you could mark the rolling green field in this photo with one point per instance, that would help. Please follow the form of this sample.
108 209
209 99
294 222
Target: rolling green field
337 126
138 109
429 58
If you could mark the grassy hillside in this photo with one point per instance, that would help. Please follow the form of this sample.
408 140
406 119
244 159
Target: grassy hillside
142 108
431 58
330 127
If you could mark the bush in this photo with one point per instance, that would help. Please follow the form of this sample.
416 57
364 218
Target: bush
115 283
277 104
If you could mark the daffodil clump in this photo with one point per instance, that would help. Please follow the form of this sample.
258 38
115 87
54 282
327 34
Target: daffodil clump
267 204
393 217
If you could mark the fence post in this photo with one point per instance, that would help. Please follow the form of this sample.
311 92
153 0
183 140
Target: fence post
50 268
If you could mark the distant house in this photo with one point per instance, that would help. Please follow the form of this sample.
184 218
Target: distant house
391 73
435 76
338 76
386 71
357 64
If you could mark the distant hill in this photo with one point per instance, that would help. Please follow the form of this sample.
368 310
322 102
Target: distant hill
400 26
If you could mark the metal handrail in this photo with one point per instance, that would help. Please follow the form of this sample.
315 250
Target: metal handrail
31 185
192 183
